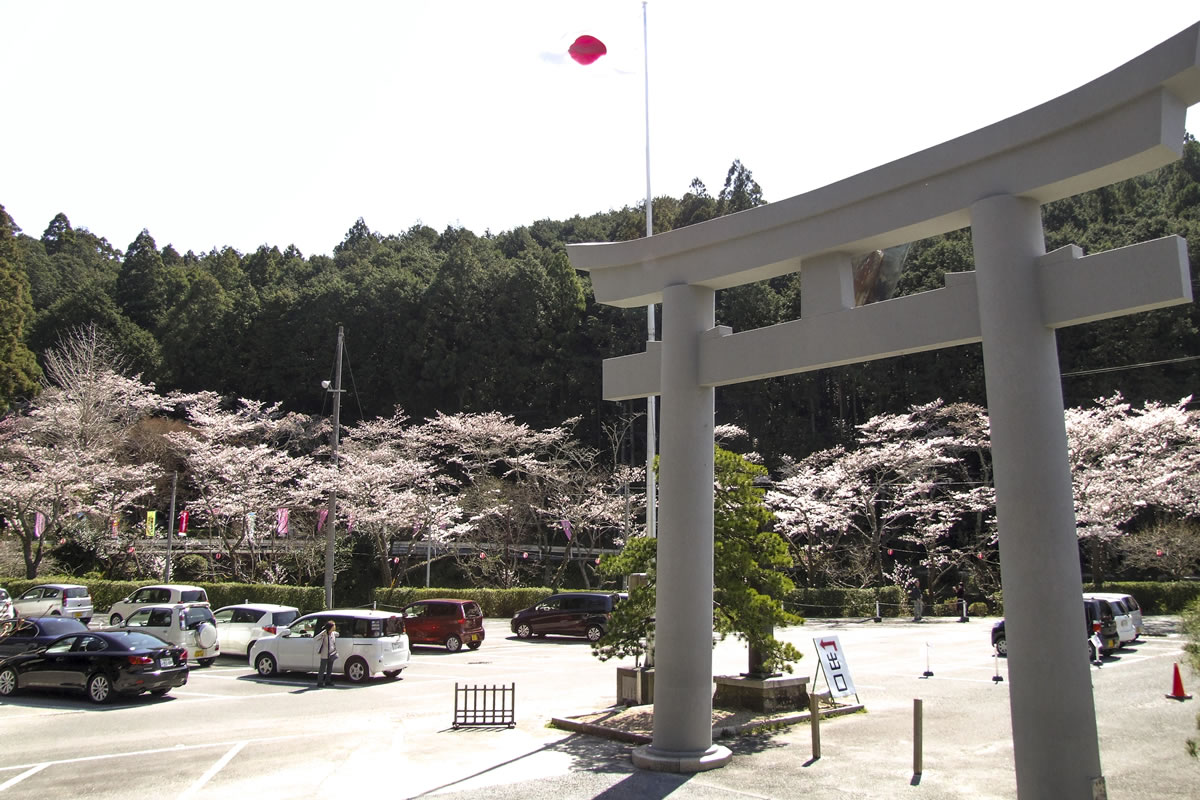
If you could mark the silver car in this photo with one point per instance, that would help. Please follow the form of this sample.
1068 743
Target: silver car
55 600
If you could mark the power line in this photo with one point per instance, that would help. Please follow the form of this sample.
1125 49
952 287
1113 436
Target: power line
1130 366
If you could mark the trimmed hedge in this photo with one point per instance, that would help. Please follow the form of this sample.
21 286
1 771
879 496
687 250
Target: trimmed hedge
1153 597
493 602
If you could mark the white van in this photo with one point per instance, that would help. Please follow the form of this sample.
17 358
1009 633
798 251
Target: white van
368 642
1131 607
1121 615
163 594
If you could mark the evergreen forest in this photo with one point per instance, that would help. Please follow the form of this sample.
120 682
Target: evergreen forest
455 321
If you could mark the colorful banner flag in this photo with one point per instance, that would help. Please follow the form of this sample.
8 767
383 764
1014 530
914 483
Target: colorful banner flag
113 528
322 515
281 522
566 526
39 525
183 521
250 518
151 523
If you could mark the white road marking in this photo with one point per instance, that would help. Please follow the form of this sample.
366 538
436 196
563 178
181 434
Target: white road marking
14 781
173 749
213 770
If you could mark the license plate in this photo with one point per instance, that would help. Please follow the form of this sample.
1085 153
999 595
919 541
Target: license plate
165 663
199 654
473 637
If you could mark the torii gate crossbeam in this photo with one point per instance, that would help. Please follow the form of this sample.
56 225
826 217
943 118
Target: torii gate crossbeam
994 180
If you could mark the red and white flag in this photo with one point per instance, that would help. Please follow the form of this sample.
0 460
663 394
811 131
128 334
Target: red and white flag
281 522
322 515
183 521
566 526
39 525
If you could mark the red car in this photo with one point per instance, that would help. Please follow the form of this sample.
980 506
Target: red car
444 621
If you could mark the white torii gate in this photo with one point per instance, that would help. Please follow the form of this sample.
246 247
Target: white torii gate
994 180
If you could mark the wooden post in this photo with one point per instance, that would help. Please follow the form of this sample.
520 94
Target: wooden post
917 736
814 716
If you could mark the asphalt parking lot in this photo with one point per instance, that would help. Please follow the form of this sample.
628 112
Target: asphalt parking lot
229 733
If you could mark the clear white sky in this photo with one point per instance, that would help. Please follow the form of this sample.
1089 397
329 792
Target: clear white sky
250 122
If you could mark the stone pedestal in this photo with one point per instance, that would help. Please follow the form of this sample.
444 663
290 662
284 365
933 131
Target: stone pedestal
767 695
635 687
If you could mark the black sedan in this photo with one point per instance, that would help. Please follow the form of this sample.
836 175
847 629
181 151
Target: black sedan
30 633
103 664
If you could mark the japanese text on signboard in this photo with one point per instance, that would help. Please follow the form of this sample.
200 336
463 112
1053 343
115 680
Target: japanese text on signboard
834 666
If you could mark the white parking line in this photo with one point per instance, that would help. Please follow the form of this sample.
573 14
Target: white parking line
14 781
174 749
213 770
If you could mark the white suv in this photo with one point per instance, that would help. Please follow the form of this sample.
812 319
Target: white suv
55 600
368 642
189 625
161 594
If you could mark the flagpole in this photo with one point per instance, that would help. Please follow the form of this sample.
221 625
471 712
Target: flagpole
651 334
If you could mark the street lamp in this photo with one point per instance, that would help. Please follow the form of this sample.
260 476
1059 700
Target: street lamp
331 519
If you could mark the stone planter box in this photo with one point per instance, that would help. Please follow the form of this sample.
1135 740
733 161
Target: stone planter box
767 695
635 687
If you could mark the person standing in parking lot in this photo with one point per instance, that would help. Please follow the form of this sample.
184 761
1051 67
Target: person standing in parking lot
327 650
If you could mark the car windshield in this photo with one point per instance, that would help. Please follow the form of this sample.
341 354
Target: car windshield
136 640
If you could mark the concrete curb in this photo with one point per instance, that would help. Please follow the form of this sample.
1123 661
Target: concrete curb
719 732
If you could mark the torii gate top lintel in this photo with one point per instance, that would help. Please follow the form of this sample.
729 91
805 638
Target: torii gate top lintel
1118 126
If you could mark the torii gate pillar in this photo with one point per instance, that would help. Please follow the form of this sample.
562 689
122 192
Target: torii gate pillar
1039 551
683 704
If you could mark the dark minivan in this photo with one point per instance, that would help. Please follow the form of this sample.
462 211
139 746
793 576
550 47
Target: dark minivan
444 621
567 614
1098 621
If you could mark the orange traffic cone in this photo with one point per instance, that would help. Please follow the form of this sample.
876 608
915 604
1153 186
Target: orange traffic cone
1177 688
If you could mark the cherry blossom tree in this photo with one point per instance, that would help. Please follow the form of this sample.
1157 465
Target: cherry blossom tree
65 460
1133 469
913 492
237 464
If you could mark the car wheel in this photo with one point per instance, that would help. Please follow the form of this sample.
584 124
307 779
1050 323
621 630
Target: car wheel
474 645
159 692
524 631
115 620
453 644
265 665
8 681
356 670
100 689
391 673
594 632
1002 646
206 662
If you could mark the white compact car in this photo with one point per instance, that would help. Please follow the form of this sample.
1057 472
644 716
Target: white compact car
55 600
1130 604
240 626
368 642
6 607
189 625
159 595
1126 629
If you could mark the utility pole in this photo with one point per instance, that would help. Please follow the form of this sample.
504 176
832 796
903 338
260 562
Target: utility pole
331 520
171 527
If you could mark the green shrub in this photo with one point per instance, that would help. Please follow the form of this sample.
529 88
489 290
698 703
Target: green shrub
977 610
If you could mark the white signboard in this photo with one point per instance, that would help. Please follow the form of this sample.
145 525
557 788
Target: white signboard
834 666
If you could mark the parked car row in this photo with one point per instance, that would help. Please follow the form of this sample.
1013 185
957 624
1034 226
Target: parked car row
153 633
1110 621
